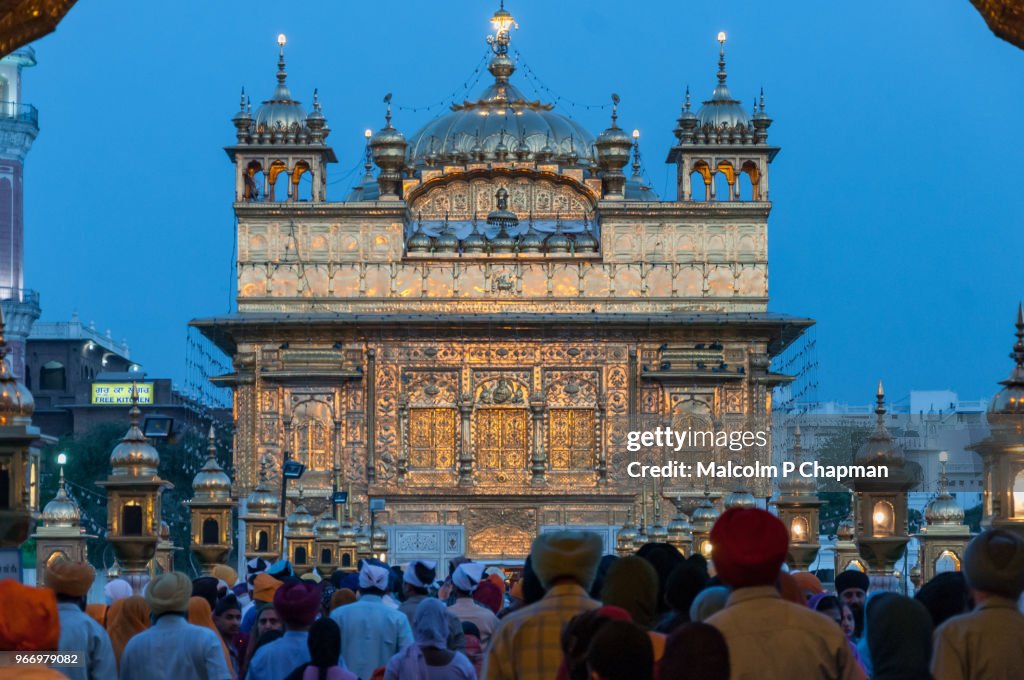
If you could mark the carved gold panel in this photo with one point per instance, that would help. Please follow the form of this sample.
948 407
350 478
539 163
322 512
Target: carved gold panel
571 438
432 438
500 541
502 438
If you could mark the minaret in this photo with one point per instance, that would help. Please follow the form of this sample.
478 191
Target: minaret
19 126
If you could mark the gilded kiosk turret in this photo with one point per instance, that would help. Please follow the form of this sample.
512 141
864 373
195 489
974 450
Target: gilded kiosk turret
134 489
211 509
467 337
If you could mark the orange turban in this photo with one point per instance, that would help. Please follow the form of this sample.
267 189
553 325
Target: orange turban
264 586
808 582
98 612
790 589
342 597
30 621
127 617
70 578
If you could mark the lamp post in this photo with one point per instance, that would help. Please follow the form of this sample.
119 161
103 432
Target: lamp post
945 537
798 506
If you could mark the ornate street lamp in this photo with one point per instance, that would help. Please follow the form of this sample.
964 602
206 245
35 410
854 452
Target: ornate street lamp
945 537
211 508
298 532
798 507
263 521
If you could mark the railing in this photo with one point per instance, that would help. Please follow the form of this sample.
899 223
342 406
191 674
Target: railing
19 294
25 113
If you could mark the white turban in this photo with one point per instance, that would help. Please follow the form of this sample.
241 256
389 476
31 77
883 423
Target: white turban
117 589
372 576
468 576
410 577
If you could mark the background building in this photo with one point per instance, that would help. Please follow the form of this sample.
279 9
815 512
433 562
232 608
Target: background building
19 126
468 338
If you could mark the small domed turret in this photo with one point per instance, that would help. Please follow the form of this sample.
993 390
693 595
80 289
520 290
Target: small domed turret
211 483
880 449
134 456
62 511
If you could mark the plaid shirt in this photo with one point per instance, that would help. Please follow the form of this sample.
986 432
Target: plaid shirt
527 644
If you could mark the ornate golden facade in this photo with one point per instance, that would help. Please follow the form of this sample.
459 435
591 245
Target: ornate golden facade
471 335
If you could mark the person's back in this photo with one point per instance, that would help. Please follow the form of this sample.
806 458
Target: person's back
769 637
174 648
371 631
985 643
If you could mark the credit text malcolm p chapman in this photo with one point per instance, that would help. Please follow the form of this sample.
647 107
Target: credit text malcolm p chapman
676 440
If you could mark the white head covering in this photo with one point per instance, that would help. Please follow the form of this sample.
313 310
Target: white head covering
468 576
372 576
430 624
117 589
409 576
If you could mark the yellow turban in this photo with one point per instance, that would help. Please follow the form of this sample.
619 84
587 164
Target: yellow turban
169 592
225 573
29 622
70 578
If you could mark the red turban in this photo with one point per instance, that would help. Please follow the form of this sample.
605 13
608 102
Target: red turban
29 622
748 546
489 595
297 603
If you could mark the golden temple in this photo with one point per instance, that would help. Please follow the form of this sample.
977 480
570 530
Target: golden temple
471 335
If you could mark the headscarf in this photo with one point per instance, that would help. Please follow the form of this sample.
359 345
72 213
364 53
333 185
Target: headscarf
70 578
429 629
994 563
576 637
168 592
98 613
695 651
790 590
29 622
117 589
897 639
297 603
748 547
568 554
632 583
342 597
945 596
489 595
127 617
621 649
200 614
808 583
687 579
602 571
663 557
708 602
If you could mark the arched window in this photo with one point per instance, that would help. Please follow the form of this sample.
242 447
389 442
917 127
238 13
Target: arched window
883 519
52 376
131 520
325 556
1018 495
262 541
346 560
277 168
300 554
725 180
211 532
947 561
302 179
750 181
700 182
254 182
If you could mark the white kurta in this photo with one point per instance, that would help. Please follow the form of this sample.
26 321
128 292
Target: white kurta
173 649
80 633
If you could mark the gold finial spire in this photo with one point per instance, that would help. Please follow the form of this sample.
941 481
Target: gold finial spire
211 448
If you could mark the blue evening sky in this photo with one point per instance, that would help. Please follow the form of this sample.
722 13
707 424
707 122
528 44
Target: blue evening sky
898 203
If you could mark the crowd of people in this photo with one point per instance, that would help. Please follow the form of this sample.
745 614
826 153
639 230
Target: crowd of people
572 615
